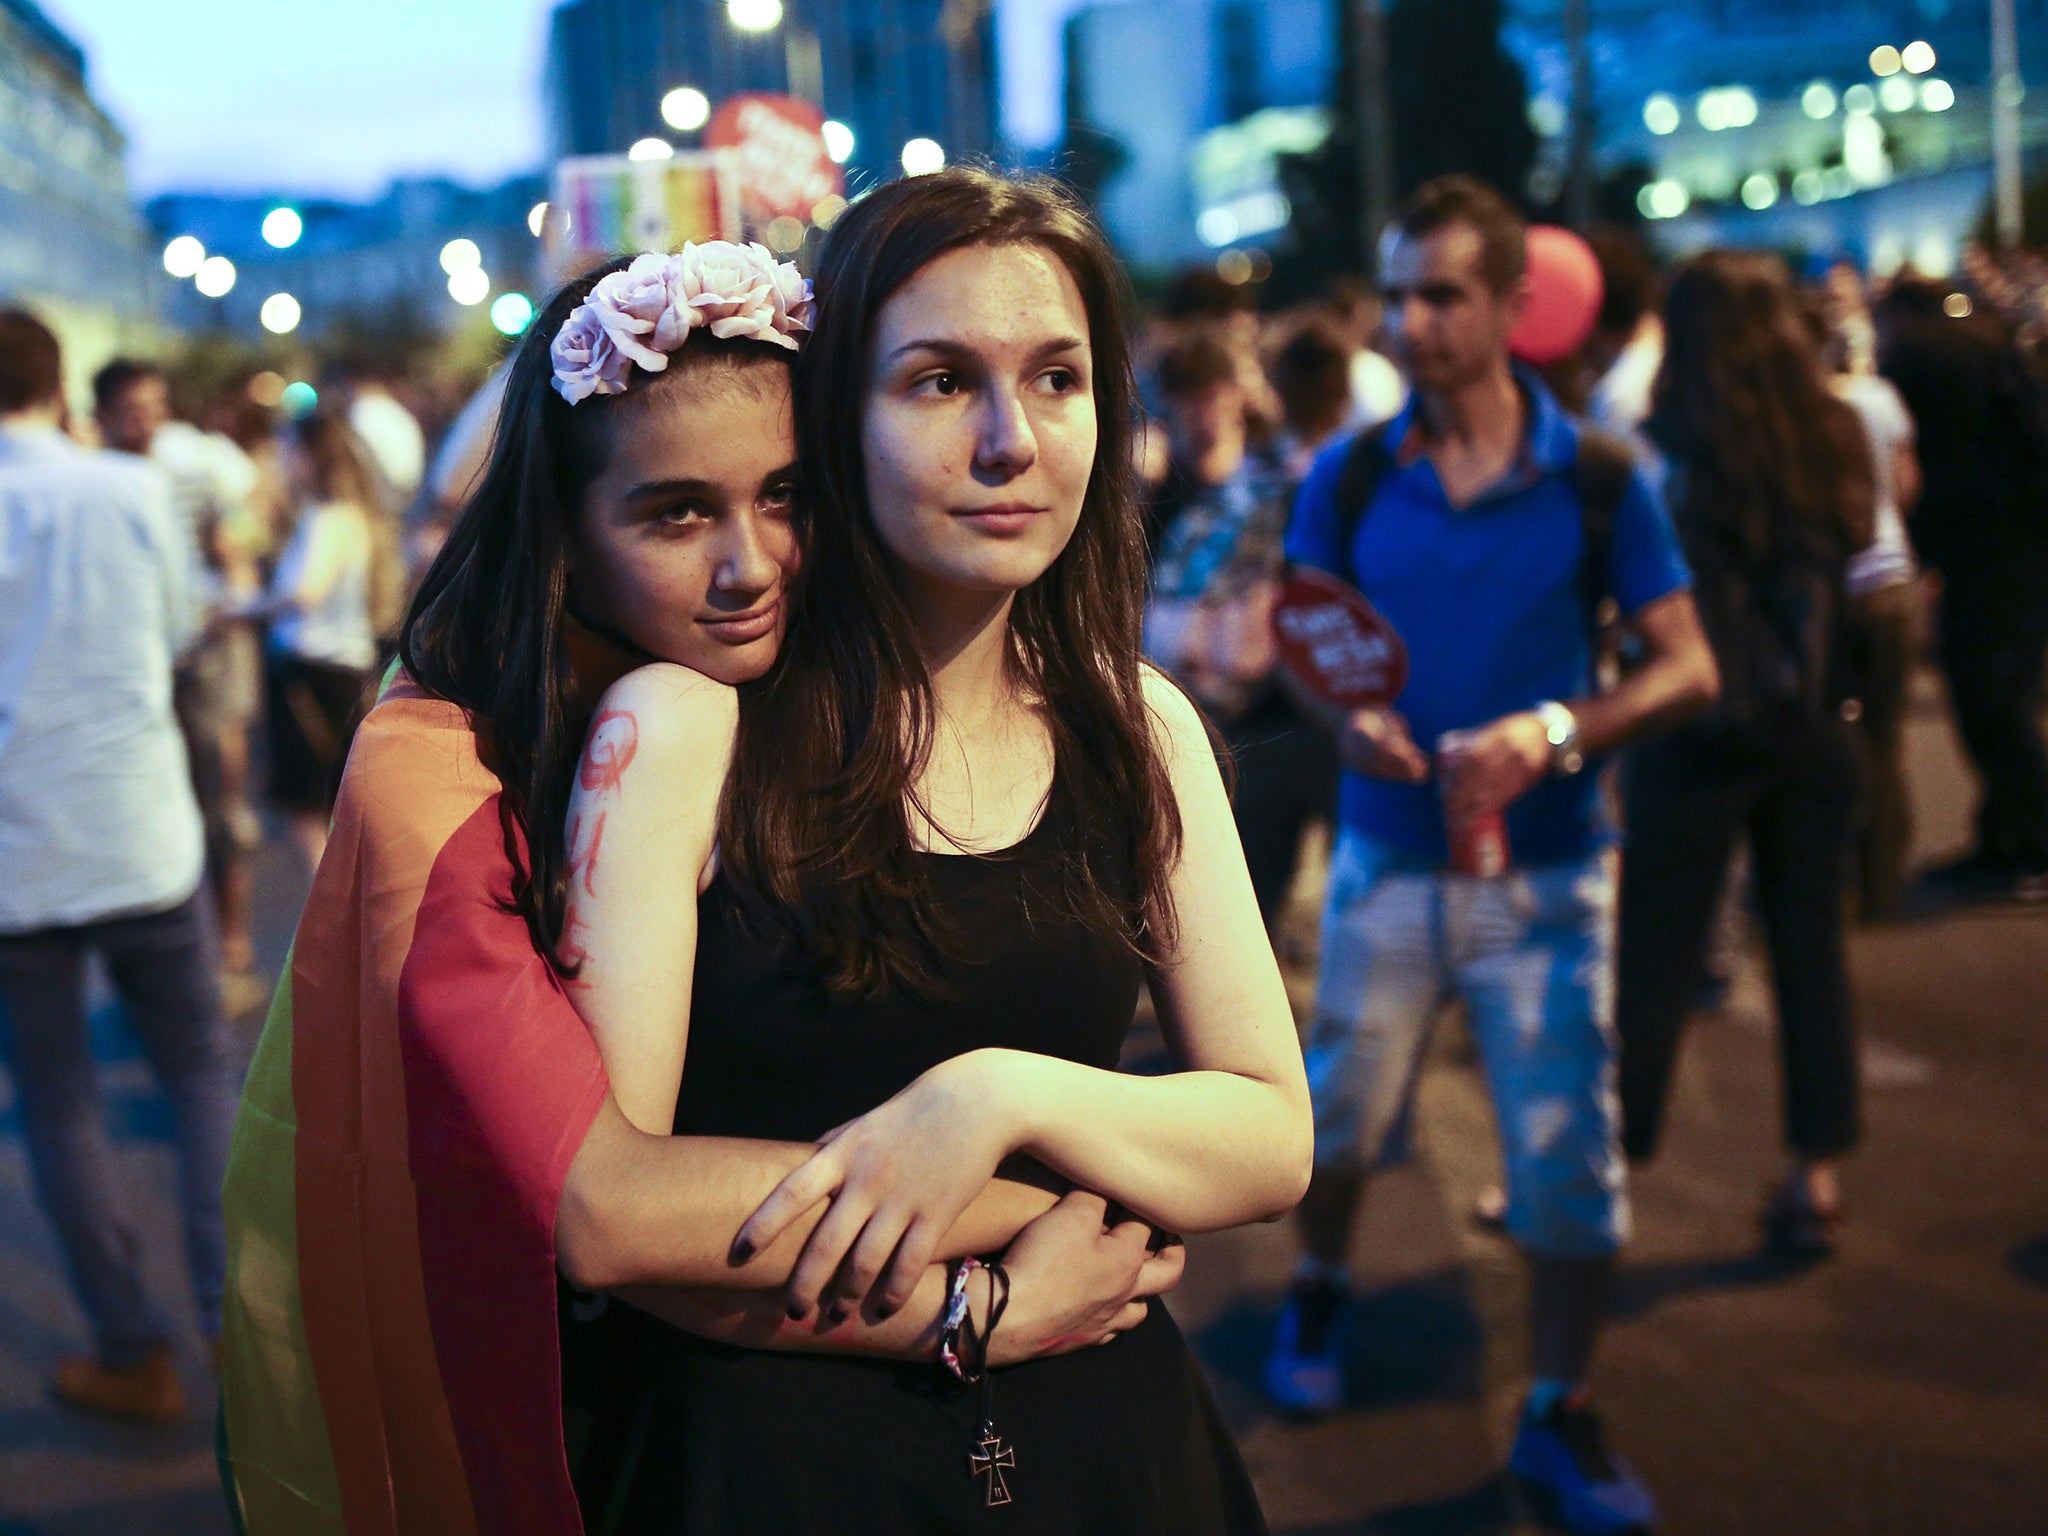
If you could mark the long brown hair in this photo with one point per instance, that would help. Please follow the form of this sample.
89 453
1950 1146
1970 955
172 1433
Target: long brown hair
342 472
486 628
1773 461
816 821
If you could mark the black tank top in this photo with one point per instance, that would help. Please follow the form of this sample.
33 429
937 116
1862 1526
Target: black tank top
1121 1440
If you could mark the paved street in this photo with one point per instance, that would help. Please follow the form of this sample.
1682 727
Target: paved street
1901 1389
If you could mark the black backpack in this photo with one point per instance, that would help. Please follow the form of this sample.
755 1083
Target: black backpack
1600 474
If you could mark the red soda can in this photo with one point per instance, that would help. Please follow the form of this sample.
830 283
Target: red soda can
1479 847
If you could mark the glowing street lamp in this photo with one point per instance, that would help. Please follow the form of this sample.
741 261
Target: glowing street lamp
215 277
282 227
754 15
923 156
183 256
686 109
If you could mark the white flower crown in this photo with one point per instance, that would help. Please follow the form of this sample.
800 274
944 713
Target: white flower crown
643 313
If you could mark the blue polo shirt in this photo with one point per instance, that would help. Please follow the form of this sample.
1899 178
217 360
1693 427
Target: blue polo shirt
1489 600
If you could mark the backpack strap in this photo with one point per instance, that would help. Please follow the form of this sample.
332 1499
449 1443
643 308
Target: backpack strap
1601 474
1358 482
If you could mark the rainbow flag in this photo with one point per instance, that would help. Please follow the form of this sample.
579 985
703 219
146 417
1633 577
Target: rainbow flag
390 1361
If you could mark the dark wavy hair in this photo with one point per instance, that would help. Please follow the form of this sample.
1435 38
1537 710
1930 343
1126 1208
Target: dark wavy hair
816 822
1774 462
485 629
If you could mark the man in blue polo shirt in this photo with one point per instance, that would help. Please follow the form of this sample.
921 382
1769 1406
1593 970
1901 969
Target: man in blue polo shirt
1473 539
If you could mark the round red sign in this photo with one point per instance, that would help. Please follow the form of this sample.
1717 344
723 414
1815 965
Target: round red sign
1336 644
779 145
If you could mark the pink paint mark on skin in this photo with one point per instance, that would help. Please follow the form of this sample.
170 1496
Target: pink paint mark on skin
583 852
1064 1341
614 738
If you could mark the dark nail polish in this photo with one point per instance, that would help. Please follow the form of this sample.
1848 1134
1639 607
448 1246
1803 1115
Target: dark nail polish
742 1250
796 1312
885 1311
835 1317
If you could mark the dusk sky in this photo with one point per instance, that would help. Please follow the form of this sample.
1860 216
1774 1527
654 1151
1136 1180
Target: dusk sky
253 95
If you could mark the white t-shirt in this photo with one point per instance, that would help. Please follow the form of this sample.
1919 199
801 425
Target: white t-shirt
1889 427
394 438
97 818
328 560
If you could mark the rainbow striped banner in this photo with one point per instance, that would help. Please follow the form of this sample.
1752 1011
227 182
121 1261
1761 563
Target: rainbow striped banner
390 1360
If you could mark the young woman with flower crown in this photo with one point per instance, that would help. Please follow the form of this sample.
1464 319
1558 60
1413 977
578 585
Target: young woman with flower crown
428 1135
961 824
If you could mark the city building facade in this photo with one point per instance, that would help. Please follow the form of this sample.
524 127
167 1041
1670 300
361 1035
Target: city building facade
370 265
72 247
890 70
1813 125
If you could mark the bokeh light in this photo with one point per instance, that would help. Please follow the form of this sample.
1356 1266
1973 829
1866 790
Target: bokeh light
299 398
1885 60
460 254
280 314
827 209
651 149
282 227
838 141
686 109
1760 190
923 156
1897 94
215 277
1937 95
1918 57
511 313
754 15
537 219
183 256
784 234
469 285
1859 100
1818 100
265 389
1660 114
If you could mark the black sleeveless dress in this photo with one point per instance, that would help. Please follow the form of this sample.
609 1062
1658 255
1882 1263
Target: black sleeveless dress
1119 1440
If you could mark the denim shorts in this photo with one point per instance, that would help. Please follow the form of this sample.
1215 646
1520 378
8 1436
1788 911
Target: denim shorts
1531 955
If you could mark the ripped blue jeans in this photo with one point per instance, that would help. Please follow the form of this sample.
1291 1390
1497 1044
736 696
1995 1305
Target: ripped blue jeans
1531 954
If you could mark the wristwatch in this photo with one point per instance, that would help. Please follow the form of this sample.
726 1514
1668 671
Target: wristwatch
1561 730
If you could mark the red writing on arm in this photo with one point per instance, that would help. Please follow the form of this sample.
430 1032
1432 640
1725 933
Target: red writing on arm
614 737
583 851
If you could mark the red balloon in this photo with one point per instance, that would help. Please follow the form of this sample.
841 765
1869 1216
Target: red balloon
1565 290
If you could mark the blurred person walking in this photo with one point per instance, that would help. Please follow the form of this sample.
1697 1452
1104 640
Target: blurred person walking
1768 477
1491 532
1311 375
335 597
219 680
1982 524
1219 521
102 845
1885 627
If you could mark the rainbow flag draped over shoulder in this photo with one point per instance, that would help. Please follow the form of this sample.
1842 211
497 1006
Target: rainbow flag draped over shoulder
390 1361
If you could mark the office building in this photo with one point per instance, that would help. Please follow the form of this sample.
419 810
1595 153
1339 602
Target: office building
71 245
891 70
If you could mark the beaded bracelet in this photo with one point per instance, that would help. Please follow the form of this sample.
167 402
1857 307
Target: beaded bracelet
955 1318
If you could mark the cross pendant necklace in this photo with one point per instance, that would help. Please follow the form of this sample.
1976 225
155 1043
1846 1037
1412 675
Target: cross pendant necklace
990 1459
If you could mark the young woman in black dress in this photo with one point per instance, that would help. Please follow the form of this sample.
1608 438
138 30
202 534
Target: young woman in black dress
962 824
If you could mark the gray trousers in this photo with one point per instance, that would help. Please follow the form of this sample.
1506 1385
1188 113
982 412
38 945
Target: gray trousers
165 971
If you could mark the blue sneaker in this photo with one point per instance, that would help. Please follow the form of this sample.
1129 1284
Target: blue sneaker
1564 1460
1305 1372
